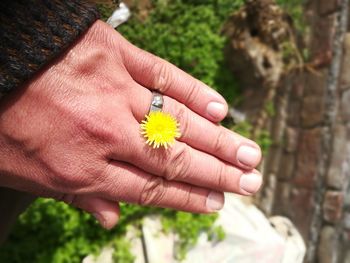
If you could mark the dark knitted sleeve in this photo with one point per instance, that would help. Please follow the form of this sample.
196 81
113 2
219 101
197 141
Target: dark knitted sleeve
33 32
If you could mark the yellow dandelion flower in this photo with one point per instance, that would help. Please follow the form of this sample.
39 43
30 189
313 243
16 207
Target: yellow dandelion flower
160 129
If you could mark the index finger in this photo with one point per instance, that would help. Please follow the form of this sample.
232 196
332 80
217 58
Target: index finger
157 74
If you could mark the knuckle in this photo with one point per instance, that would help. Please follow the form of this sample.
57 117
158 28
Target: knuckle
183 117
66 180
192 93
219 144
95 126
63 175
187 200
179 164
69 174
153 191
108 85
122 139
221 177
87 64
162 76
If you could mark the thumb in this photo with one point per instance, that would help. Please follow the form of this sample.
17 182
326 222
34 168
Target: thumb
106 212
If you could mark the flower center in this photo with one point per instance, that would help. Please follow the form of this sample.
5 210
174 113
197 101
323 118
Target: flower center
160 127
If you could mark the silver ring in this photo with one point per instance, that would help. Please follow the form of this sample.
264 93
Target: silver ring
157 102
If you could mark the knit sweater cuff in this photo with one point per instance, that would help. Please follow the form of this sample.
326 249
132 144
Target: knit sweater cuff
33 32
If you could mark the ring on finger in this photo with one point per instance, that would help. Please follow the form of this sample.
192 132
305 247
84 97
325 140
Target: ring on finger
160 129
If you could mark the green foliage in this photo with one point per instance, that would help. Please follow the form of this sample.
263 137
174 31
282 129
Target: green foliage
263 139
188 226
288 51
187 33
51 231
122 250
270 108
105 11
295 9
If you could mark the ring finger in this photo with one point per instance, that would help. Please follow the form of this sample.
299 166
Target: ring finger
200 133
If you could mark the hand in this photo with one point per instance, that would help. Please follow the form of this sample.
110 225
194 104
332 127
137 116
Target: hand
72 133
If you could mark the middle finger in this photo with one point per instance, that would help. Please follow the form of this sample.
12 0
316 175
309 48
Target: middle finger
183 163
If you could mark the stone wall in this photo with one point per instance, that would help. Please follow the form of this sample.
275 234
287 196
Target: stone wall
308 168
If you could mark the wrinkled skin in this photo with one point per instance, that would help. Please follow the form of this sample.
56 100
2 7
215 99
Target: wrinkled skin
72 133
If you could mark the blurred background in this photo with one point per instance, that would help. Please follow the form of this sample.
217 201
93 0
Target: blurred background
283 66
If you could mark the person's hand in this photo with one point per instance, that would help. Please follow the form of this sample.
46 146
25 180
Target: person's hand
72 133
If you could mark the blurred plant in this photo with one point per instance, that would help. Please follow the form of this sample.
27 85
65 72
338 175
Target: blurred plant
270 108
105 11
187 34
245 129
122 250
188 227
51 231
295 9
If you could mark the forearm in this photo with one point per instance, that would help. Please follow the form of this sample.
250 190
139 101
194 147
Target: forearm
33 32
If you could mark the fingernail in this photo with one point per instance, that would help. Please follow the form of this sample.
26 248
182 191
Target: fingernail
216 110
250 183
100 219
248 155
215 201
